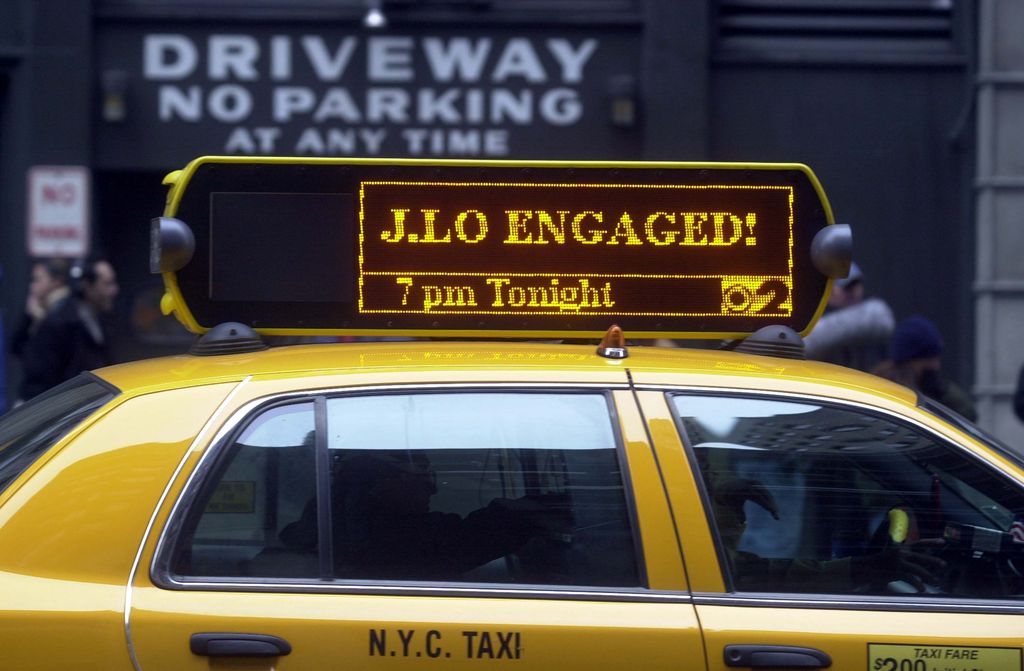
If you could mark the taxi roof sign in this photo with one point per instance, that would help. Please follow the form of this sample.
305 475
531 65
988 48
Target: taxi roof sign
496 248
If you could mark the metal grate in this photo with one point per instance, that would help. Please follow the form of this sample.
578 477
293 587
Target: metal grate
855 28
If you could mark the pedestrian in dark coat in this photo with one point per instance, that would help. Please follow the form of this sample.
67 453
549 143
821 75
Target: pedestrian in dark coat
916 362
48 287
72 337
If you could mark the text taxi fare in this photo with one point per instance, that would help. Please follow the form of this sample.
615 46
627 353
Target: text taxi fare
475 494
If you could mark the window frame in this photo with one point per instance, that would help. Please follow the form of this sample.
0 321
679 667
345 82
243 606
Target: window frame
217 452
909 603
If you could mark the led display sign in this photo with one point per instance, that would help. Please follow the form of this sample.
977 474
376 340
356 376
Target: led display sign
554 249
495 248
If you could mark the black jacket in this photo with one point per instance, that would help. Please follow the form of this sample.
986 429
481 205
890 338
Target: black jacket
62 347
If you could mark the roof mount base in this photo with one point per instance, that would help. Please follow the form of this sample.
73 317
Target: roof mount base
228 338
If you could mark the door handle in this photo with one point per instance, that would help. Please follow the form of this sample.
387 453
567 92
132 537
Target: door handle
776 657
238 645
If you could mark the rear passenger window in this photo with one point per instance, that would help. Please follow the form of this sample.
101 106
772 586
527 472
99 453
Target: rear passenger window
238 525
484 487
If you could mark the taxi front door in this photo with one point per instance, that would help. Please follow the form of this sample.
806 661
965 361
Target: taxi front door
761 623
307 624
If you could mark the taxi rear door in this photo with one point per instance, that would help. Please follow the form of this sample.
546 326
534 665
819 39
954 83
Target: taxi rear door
593 579
782 583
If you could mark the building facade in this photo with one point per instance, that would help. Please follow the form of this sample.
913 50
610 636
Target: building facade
878 98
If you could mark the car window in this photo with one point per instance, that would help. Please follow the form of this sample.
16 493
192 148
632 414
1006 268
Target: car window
239 524
817 498
475 487
30 429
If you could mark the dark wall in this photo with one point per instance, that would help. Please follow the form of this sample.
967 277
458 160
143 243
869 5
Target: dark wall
673 99
881 141
45 116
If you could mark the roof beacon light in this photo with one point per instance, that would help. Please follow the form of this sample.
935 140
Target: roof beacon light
171 245
613 344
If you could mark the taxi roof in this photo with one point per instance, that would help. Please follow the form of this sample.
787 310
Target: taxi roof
442 361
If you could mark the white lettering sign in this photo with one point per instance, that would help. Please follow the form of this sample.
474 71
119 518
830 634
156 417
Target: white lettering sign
435 96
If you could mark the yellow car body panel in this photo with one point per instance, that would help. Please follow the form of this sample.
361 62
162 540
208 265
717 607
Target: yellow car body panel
846 634
701 557
419 361
425 362
664 564
566 633
326 631
70 534
79 529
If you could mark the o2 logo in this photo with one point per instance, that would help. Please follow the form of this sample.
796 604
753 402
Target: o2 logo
747 296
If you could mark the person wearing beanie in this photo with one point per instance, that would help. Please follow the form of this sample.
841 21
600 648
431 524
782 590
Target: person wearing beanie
916 362
916 338
854 331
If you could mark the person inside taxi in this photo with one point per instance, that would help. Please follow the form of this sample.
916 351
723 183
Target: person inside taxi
384 528
885 561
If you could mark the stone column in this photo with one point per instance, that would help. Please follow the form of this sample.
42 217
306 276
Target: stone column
999 285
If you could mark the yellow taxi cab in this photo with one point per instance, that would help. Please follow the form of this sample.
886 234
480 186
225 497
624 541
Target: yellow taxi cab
466 501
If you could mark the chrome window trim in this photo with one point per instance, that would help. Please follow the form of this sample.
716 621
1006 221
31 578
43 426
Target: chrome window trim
811 600
439 589
901 604
161 576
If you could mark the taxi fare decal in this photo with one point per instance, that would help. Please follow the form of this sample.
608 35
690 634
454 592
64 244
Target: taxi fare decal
941 658
432 644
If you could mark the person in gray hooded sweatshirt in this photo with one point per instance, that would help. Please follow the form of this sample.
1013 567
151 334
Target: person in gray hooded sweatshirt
854 331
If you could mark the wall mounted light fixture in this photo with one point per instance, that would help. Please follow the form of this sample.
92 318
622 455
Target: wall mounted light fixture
622 100
374 18
114 87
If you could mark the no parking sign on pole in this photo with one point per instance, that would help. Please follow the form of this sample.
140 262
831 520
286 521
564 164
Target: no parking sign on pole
58 211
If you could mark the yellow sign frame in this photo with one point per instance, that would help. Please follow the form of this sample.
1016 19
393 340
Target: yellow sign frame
173 301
